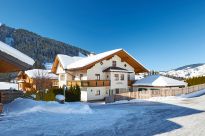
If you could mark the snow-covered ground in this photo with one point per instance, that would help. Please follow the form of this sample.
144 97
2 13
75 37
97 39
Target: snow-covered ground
182 116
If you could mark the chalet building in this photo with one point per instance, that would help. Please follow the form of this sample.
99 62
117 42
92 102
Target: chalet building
36 79
100 75
11 60
157 82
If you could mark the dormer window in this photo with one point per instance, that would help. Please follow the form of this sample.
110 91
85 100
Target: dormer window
114 63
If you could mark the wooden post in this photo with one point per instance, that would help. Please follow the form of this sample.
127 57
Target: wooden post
1 107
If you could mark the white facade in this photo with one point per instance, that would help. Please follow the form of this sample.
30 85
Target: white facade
99 93
104 74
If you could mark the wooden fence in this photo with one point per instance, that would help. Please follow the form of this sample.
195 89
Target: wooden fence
154 93
1 107
6 96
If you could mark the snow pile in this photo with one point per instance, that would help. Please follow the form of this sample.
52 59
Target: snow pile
7 85
60 97
23 106
188 71
195 94
15 53
41 73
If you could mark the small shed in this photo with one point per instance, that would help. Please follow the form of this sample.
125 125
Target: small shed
157 82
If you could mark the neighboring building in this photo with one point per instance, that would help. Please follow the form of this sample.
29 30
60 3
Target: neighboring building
12 60
156 82
98 75
36 80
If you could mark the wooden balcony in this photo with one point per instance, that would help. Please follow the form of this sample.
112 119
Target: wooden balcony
89 83
94 83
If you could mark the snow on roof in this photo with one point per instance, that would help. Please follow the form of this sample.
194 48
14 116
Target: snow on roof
7 85
158 80
15 53
41 73
88 60
66 60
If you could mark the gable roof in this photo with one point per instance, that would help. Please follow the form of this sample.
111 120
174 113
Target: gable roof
90 61
78 63
160 81
13 60
64 60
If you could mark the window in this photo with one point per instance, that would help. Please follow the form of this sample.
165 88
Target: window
101 63
73 77
125 65
62 77
114 63
122 77
97 92
117 91
81 76
97 76
116 77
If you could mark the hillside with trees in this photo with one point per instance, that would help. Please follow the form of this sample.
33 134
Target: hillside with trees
41 49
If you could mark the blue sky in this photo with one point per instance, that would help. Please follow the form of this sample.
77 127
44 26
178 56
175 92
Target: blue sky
161 34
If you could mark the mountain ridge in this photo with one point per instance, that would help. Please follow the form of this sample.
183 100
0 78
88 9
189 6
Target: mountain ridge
187 71
41 49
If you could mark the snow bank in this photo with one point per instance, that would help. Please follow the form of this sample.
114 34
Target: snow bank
60 97
195 94
24 106
163 99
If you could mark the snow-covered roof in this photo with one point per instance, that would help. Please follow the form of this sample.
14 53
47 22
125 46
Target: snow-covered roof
76 63
65 60
40 73
158 80
91 59
7 85
15 53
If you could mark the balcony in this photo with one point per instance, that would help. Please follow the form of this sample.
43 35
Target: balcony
94 83
89 83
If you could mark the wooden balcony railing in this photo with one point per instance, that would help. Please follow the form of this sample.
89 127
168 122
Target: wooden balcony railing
94 83
89 83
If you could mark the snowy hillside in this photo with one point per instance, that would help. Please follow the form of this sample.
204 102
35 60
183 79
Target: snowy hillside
188 71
